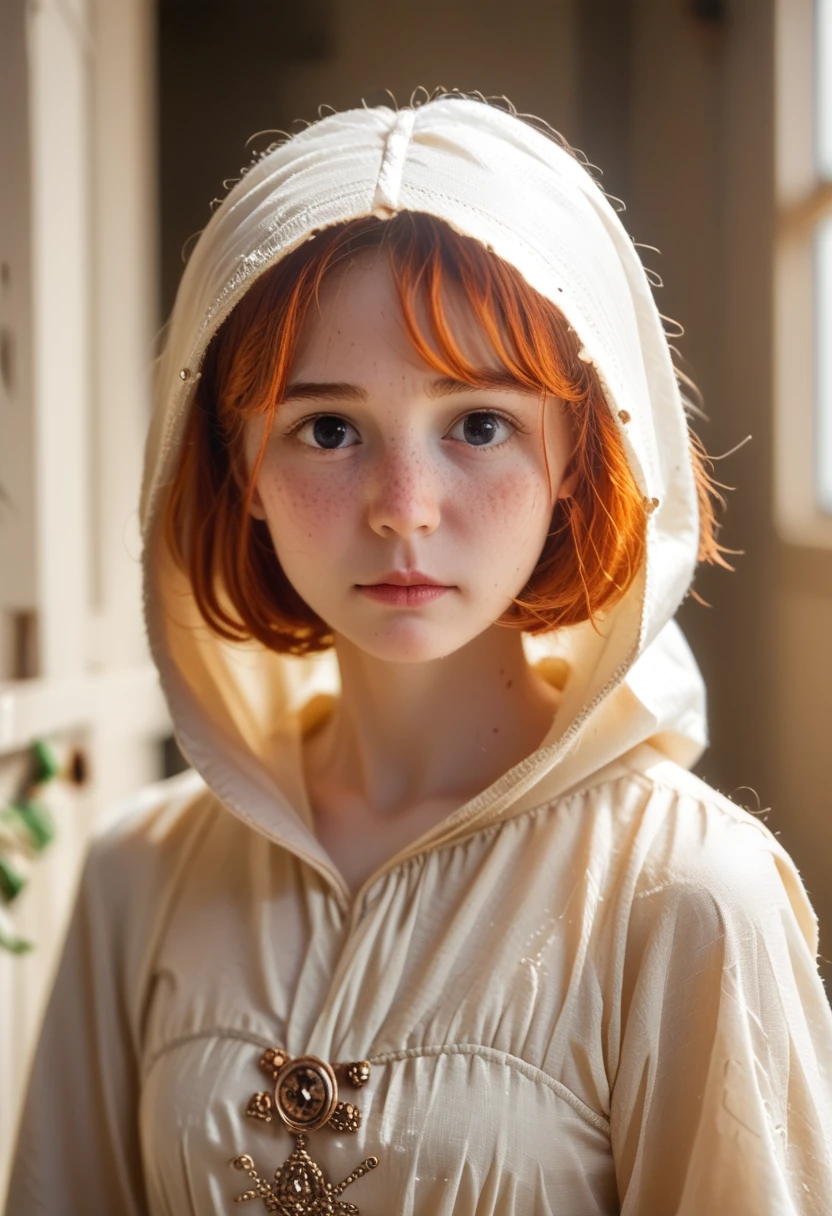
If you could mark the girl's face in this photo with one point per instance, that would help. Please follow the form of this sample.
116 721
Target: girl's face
378 472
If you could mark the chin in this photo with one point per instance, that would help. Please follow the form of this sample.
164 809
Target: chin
407 642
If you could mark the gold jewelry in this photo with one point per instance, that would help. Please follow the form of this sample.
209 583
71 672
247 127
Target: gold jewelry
305 1098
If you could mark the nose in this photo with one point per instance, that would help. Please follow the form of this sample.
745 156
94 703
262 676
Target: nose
403 494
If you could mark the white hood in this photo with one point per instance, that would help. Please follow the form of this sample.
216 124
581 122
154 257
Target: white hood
496 179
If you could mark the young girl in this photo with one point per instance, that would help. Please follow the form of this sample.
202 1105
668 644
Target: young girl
439 922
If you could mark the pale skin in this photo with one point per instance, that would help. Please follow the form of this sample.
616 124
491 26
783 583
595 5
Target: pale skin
371 468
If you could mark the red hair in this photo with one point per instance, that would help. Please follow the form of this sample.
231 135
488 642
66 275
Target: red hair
597 539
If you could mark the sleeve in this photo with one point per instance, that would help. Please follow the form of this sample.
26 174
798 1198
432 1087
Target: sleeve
77 1146
722 1093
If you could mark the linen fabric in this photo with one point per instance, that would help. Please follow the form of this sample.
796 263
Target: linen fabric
590 989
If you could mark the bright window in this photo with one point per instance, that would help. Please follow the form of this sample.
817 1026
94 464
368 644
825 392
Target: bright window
823 257
803 273
823 365
823 88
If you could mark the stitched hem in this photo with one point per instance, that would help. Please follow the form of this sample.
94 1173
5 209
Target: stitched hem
503 1058
490 1054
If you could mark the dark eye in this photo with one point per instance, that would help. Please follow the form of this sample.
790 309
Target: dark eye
483 429
327 431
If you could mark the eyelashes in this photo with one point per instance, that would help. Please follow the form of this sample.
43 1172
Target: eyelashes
326 432
480 425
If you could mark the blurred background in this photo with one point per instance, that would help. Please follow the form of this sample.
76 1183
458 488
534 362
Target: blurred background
121 121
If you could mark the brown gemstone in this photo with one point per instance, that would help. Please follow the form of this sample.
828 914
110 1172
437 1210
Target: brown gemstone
306 1093
303 1094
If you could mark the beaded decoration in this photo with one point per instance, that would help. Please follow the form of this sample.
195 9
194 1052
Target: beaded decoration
305 1098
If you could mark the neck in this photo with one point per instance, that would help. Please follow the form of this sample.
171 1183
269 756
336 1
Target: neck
404 733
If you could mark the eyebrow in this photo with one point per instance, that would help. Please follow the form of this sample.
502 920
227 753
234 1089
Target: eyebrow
305 390
444 386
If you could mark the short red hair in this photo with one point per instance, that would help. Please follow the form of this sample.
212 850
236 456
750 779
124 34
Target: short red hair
597 539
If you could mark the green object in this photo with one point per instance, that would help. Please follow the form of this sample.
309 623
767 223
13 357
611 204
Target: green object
26 828
12 881
9 939
46 765
35 821
16 945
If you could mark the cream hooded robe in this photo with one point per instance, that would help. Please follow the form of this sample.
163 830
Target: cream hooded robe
592 988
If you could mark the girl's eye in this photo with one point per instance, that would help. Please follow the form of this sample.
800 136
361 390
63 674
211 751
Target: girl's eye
483 429
327 431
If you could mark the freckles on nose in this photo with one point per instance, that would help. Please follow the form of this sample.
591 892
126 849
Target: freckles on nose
408 481
407 476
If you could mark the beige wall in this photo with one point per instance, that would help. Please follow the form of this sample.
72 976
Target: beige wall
701 191
524 51
333 53
77 233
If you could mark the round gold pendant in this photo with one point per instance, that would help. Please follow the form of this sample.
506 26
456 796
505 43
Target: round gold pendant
306 1093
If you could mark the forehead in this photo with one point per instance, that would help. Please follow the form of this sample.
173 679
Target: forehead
357 322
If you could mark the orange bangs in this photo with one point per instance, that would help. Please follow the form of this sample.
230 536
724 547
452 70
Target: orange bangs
596 543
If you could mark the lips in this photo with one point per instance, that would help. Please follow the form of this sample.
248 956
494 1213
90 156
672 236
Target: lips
405 578
408 596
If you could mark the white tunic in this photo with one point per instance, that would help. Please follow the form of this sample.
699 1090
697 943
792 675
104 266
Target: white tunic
605 1003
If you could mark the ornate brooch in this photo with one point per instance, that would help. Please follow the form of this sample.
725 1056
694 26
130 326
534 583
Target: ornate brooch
305 1097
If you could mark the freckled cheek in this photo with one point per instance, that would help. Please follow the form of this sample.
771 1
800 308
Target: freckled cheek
300 506
506 526
514 498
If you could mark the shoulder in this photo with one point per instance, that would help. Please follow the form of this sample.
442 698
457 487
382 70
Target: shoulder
139 847
151 816
155 820
145 856
692 850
